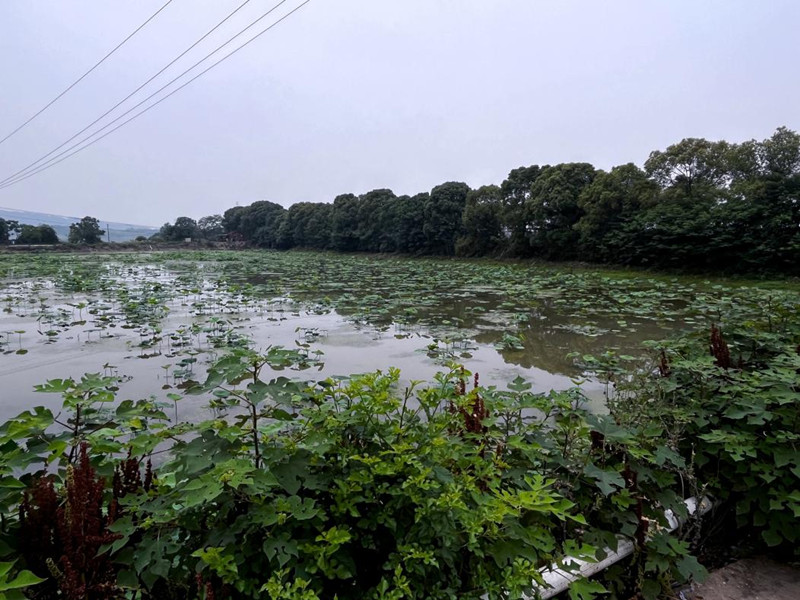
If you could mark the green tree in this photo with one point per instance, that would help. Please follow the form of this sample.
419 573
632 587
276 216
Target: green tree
408 221
306 225
759 226
780 154
85 231
374 226
443 217
210 227
674 233
184 227
482 218
257 223
318 228
36 234
552 210
232 219
344 229
610 204
164 233
687 226
691 165
261 222
4 231
516 191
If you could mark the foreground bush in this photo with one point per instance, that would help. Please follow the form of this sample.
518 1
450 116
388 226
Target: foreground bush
730 403
353 488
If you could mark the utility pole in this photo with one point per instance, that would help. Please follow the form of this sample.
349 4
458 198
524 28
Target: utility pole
108 233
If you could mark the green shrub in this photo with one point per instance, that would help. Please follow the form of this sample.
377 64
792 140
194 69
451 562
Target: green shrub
353 488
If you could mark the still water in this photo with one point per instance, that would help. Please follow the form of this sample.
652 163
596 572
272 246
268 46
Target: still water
161 319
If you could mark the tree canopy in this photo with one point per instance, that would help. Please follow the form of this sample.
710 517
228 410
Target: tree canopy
85 231
702 204
36 234
5 231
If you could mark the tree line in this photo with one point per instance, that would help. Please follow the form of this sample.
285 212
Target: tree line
14 232
85 231
699 204
706 205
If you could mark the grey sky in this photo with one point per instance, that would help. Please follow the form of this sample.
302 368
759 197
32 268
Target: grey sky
350 95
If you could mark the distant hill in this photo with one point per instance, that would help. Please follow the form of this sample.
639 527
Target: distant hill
120 232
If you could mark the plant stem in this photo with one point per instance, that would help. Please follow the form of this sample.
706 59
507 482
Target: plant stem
255 435
75 431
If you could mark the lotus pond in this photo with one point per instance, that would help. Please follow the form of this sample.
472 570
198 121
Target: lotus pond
159 319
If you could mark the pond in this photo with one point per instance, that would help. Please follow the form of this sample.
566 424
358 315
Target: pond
159 319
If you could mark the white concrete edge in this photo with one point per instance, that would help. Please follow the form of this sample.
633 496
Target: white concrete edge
558 579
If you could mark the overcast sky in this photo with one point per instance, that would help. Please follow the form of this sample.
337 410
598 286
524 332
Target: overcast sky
351 95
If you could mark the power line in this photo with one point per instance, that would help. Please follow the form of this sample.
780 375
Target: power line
113 108
32 168
22 174
81 78
140 113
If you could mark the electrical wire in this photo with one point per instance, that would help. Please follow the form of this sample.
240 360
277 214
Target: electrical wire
140 113
117 105
82 77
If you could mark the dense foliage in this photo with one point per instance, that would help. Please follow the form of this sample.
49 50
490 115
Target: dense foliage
6 229
85 231
14 231
342 490
730 400
698 204
36 234
208 228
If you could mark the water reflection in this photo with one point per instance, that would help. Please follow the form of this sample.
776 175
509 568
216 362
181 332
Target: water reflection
164 321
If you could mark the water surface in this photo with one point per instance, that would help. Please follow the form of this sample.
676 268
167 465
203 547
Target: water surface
160 319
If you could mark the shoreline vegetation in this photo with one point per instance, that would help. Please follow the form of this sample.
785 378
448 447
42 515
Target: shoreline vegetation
697 206
777 280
